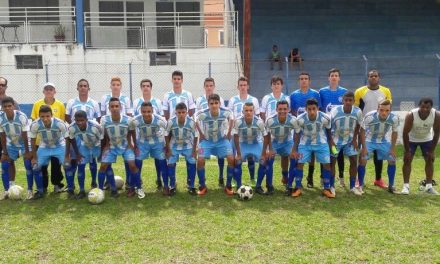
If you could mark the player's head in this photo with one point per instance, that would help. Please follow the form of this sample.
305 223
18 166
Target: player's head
214 103
81 119
181 111
209 86
373 78
147 110
248 110
45 114
274 47
425 105
146 86
3 85
177 79
276 83
83 87
304 80
116 85
384 109
282 108
114 105
243 84
334 76
348 98
312 108
8 105
49 90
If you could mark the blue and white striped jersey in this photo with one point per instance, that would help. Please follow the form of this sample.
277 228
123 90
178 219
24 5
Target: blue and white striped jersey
281 132
214 128
157 106
13 128
117 130
126 108
51 137
202 103
331 98
343 124
376 130
250 133
171 99
313 132
182 136
150 133
269 104
298 100
91 107
236 105
90 137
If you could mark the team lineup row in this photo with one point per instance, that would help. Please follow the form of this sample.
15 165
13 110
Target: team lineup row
209 132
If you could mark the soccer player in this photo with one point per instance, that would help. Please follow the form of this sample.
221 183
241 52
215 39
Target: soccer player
248 139
279 141
150 139
236 106
374 128
14 140
181 139
367 98
345 125
331 96
269 102
312 136
85 136
84 103
51 131
298 101
117 141
214 124
421 129
146 88
177 95
201 104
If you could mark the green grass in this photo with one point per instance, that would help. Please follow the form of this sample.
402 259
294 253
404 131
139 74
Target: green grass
377 227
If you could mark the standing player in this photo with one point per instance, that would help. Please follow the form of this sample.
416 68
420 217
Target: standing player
367 98
150 139
14 140
236 106
215 124
269 102
374 128
85 136
52 131
202 103
176 96
118 141
346 120
422 128
279 141
181 139
298 101
313 127
146 88
331 96
248 139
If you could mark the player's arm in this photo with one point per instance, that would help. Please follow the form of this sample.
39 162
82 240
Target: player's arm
27 153
194 148
201 135
5 155
267 147
393 144
67 152
409 120
79 157
354 140
294 154
237 146
34 151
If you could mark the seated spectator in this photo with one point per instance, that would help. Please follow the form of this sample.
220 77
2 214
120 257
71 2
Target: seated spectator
275 56
295 56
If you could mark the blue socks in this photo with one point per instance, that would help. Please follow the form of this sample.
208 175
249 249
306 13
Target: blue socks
69 178
352 182
221 166
298 178
101 180
201 174
326 176
191 169
361 175
164 172
93 170
172 175
5 174
269 172
229 175
292 169
29 174
251 167
237 175
158 169
391 170
81 176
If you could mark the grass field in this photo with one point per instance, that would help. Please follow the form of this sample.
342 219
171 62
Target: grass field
376 228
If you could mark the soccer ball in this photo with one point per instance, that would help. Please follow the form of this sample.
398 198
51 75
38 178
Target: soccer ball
119 182
245 192
96 196
16 192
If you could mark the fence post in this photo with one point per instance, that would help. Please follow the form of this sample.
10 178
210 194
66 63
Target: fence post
286 79
47 72
438 76
209 68
130 78
366 69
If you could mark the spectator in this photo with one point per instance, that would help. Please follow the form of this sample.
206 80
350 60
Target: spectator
295 56
275 56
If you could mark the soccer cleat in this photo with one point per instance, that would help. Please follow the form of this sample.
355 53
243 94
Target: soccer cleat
296 192
70 194
356 191
81 195
57 189
37 195
29 195
309 182
159 185
114 194
260 191
94 185
106 186
341 182
166 191
328 193
234 183
192 191
253 183
270 190
284 180
361 189
140 193
202 191
333 190
173 192
288 191
431 191
4 196
131 192
405 190
229 191
221 183
380 183
392 189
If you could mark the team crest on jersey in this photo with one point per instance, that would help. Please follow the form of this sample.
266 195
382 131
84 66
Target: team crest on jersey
340 99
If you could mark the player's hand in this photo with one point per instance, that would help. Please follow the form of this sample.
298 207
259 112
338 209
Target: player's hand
168 152
364 153
295 155
393 152
27 155
194 154
34 161
79 158
229 136
355 144
271 153
238 158
201 136
67 159
263 157
5 157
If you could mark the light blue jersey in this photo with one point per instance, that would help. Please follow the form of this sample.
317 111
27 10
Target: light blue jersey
117 130
344 124
202 103
331 98
90 137
13 128
182 136
214 128
171 99
156 103
298 100
152 133
52 137
281 132
91 107
126 108
236 105
269 104
376 130
313 131
250 133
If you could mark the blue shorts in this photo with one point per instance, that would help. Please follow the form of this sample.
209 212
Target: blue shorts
383 150
147 150
283 149
424 147
251 151
110 155
44 155
347 149
187 153
321 151
220 149
89 154
14 152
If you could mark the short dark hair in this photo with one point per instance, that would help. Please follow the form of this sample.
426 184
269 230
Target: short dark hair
372 71
423 100
311 101
243 79
249 104
45 109
333 70
282 102
181 106
209 79
349 94
6 80
114 99
276 79
214 97
82 80
177 73
305 73
146 104
146 80
8 100
80 114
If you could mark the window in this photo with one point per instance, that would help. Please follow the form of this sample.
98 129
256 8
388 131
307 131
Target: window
29 61
117 16
41 10
221 37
